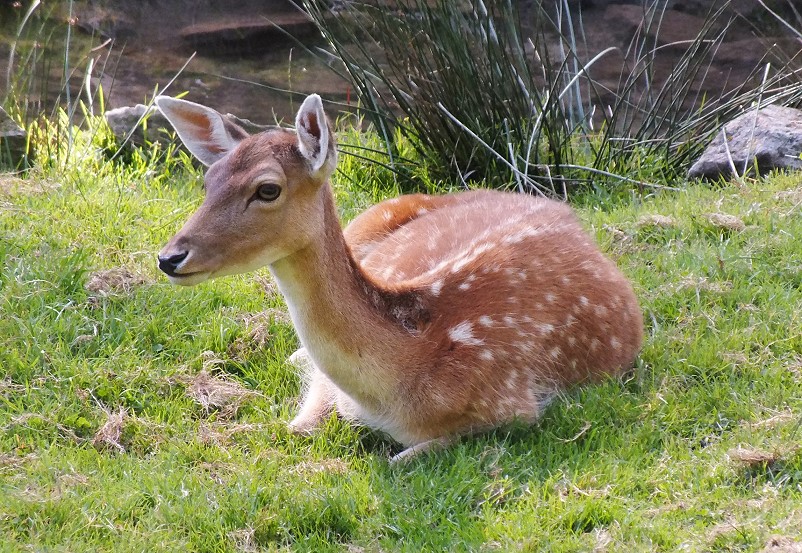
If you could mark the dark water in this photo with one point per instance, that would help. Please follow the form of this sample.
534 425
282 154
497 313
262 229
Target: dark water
240 64
136 48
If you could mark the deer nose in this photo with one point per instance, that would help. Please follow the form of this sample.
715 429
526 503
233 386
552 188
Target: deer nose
170 263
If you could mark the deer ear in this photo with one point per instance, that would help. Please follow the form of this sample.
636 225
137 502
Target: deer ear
207 134
315 140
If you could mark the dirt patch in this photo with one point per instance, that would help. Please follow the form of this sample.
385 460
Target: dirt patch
114 281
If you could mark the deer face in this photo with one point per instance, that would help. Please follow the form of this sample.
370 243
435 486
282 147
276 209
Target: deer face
261 191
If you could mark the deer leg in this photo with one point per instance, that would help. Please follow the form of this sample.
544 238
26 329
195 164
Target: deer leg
423 447
318 395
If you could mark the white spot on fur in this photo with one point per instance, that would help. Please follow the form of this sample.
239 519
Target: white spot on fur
566 281
551 298
583 301
484 320
437 285
422 211
387 215
463 333
555 352
388 272
487 355
469 256
545 328
615 343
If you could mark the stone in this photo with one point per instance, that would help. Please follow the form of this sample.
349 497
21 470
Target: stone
139 121
13 141
248 36
147 124
766 139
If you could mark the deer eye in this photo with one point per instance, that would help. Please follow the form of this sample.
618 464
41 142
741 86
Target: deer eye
268 192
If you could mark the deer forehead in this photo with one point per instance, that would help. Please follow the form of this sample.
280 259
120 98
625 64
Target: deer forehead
265 157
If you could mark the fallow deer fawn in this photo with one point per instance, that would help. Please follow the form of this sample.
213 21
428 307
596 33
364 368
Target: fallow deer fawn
430 317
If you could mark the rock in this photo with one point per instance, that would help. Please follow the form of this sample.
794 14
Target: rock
139 121
108 23
13 141
148 122
776 143
248 36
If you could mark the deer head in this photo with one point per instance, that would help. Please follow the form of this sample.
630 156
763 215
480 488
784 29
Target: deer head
261 191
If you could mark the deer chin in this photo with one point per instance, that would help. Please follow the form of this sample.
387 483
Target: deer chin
190 279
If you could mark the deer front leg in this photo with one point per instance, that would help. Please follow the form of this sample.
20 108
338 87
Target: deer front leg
318 395
421 448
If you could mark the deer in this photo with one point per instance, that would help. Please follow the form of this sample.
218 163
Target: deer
430 317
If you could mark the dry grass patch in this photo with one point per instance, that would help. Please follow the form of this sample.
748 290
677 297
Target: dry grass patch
725 221
215 392
11 185
221 434
697 284
244 540
751 457
793 196
656 221
774 420
12 461
782 544
114 281
108 435
334 466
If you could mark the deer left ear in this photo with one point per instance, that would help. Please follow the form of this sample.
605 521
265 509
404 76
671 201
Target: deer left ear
315 140
207 134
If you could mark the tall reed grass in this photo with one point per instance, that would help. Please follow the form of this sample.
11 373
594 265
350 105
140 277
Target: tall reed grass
485 97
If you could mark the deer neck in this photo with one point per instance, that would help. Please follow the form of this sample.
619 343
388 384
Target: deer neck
351 327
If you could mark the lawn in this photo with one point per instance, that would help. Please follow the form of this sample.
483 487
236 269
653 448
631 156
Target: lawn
137 416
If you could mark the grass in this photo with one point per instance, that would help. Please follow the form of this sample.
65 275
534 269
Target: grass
139 416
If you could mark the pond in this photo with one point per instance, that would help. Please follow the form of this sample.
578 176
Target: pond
231 55
236 59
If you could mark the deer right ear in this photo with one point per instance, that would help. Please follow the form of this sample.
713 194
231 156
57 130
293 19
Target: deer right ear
207 134
315 140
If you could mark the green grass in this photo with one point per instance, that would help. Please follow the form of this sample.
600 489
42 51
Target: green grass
111 441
